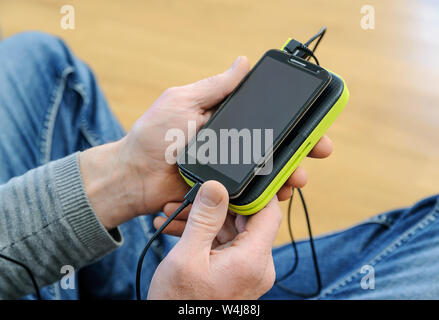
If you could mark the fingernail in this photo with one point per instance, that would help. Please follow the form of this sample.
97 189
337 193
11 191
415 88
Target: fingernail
210 196
235 63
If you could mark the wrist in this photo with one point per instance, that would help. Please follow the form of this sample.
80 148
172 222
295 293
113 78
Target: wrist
104 179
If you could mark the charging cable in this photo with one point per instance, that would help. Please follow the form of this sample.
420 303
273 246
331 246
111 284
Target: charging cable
188 199
300 50
296 253
29 272
319 36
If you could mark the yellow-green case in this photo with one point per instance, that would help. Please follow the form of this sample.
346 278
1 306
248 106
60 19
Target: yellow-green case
293 149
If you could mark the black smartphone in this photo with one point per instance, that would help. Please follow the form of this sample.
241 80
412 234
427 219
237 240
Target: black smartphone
267 104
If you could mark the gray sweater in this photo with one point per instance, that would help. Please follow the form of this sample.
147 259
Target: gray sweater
46 222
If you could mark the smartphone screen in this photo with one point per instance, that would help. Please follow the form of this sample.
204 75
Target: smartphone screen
264 107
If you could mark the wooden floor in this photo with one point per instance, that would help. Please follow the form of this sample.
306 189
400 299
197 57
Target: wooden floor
386 142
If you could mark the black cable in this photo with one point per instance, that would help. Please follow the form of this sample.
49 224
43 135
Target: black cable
310 53
291 47
29 272
311 242
296 254
293 243
188 199
319 36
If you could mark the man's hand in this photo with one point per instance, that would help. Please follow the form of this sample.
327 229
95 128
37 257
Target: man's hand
132 177
240 267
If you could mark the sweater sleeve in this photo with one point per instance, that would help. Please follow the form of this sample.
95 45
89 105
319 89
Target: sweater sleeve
47 222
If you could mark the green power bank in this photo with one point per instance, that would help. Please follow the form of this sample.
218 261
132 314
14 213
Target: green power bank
293 149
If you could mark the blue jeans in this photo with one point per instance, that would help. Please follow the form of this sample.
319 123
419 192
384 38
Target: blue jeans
52 106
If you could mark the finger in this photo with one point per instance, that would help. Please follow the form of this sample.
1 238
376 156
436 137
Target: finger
322 149
241 222
262 227
170 208
284 193
175 228
211 91
298 179
228 231
206 217
207 115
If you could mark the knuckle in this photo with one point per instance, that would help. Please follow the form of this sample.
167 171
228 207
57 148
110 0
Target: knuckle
179 95
204 218
212 80
172 92
218 83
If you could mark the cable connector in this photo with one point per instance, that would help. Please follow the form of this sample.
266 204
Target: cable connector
190 196
298 49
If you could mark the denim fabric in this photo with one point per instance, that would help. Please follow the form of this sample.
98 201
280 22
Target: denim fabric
52 107
401 247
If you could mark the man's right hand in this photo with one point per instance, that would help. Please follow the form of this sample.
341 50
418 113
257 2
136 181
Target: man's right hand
236 265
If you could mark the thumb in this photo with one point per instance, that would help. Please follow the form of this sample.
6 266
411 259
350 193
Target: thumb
211 91
206 217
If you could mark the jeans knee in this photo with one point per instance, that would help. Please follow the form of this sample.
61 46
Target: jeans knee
34 53
34 68
31 66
